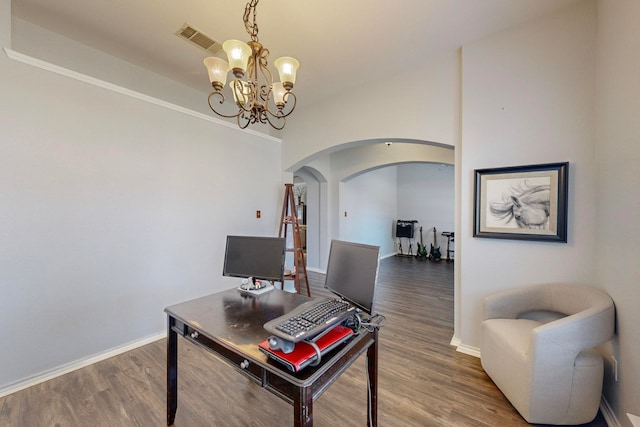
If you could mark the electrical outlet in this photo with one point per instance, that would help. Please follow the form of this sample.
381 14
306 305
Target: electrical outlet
614 368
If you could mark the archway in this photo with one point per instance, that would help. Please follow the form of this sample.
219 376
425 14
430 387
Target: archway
324 172
316 214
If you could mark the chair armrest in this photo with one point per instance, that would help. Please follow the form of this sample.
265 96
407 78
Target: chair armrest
579 331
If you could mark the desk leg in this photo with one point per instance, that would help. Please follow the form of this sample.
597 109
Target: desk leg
372 372
303 408
172 372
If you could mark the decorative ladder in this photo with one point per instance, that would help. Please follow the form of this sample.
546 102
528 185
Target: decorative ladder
289 219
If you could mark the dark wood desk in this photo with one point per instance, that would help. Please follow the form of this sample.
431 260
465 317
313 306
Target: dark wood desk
229 325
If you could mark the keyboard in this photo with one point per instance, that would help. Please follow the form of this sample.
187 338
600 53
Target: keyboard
310 319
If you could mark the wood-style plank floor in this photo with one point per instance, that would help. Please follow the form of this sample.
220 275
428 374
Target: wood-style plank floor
423 381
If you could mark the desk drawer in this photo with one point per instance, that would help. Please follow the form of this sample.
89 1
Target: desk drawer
251 370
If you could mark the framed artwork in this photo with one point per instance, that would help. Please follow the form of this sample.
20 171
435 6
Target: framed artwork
522 202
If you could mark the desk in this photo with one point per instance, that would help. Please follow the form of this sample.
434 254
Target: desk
229 325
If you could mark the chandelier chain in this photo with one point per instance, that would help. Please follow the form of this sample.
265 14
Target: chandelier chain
250 14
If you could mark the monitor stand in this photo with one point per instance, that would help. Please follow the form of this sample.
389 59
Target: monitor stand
251 286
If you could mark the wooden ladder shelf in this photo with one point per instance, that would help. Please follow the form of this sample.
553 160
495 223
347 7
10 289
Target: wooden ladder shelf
289 220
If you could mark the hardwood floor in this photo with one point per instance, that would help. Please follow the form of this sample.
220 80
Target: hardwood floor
423 381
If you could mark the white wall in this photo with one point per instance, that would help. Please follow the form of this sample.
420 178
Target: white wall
427 112
426 193
354 160
376 199
48 46
528 98
112 209
618 157
5 23
369 203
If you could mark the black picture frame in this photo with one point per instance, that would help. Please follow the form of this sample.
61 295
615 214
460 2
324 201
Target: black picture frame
522 202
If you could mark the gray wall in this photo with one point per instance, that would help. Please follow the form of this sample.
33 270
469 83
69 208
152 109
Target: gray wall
426 193
528 96
73 156
617 227
559 88
113 208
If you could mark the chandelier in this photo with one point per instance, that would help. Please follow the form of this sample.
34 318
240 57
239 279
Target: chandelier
259 99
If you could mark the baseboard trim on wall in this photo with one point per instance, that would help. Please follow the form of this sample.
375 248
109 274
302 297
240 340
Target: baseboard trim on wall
455 341
44 65
471 351
462 348
77 364
608 414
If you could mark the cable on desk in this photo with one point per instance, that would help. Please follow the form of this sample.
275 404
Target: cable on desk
317 349
376 321
356 322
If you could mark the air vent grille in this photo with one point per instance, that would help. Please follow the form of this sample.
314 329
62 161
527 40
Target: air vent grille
197 38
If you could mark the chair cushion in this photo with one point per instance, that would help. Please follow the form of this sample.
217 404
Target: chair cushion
542 316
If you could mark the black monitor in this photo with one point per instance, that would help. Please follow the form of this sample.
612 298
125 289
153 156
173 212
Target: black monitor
352 272
260 258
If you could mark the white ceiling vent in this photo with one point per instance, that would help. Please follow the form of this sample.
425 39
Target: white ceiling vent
197 38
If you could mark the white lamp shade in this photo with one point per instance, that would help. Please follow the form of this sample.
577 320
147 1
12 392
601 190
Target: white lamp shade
238 54
218 69
278 93
241 91
287 68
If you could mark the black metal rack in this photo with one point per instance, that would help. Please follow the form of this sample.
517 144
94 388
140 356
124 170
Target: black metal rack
405 229
450 235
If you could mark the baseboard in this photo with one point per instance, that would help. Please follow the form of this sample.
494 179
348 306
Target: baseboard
77 364
608 414
471 351
455 341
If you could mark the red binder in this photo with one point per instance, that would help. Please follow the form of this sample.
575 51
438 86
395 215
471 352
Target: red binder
304 354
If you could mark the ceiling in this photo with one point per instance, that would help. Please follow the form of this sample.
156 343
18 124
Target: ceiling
339 43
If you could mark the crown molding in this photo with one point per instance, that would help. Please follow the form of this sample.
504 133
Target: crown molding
43 65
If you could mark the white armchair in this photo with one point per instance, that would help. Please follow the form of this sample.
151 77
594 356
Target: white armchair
537 347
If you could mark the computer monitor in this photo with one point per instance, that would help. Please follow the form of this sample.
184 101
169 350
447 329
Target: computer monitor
352 272
261 258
